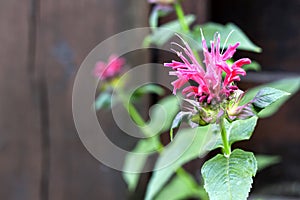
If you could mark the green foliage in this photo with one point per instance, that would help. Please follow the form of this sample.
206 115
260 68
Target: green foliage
162 34
264 161
147 89
229 178
161 117
209 29
136 159
289 85
254 66
103 100
181 116
187 145
237 131
187 186
266 97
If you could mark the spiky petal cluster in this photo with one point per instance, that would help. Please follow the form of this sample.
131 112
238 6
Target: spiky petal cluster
210 85
110 69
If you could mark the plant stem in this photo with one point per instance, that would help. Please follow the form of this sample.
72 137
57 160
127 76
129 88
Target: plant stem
185 27
137 118
226 148
180 15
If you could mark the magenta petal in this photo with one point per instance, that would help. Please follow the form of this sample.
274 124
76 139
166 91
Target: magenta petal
230 51
179 83
241 62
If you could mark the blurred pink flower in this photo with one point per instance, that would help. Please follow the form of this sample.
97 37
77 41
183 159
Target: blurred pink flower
210 86
110 69
165 2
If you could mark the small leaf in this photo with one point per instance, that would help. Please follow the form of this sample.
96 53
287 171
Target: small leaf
241 129
187 186
289 85
103 100
147 89
237 131
266 97
187 145
264 161
181 116
136 160
229 178
163 33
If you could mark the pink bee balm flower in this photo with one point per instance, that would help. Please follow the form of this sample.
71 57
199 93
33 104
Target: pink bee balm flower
162 1
110 69
210 85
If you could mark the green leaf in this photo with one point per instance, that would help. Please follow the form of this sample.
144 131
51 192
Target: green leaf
103 100
147 89
237 131
264 161
267 96
162 115
163 33
229 178
241 129
209 30
187 186
254 66
136 160
181 116
187 145
289 85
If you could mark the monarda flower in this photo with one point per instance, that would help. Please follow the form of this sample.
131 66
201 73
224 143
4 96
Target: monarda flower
112 68
162 2
210 90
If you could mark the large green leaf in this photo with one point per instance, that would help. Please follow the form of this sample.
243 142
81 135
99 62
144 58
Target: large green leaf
182 186
163 33
229 178
209 30
237 131
290 85
135 160
187 145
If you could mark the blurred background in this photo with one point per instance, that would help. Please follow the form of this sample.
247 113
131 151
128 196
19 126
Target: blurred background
42 46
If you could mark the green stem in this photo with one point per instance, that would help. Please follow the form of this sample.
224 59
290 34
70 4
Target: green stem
137 118
226 148
180 15
184 25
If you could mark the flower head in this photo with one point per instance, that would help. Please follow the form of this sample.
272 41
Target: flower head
110 69
162 2
214 96
210 88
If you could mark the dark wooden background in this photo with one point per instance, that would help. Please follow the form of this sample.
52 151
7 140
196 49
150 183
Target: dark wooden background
43 42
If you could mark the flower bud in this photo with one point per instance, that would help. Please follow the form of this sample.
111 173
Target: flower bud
234 111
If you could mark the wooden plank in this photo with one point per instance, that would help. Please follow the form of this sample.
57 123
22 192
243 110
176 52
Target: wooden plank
19 123
68 30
